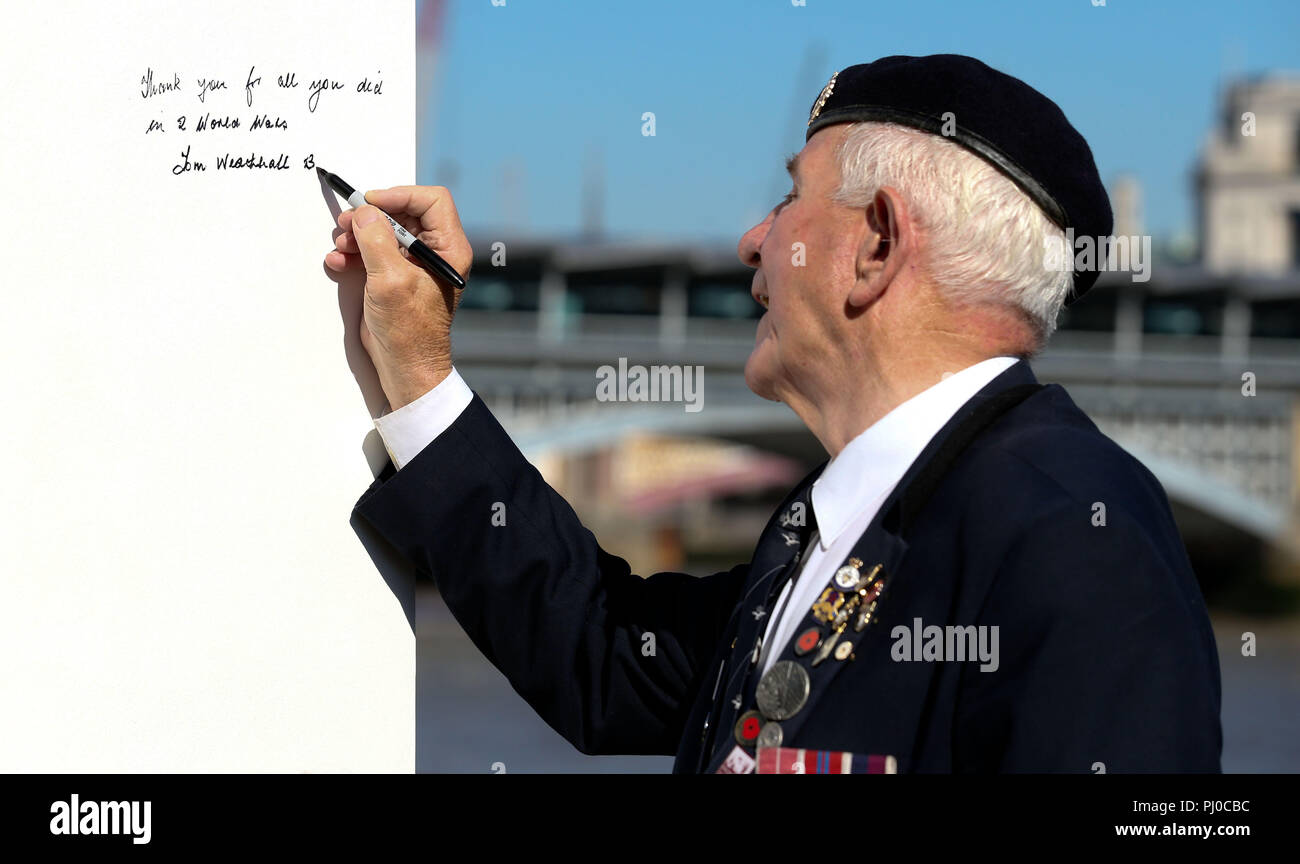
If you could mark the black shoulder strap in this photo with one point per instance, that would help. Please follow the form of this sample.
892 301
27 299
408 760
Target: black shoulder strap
918 492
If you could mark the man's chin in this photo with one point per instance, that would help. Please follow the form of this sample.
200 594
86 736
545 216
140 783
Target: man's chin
760 379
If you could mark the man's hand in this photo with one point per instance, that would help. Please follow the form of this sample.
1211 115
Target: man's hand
406 312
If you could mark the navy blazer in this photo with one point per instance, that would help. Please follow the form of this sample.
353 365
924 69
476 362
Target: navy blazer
1105 652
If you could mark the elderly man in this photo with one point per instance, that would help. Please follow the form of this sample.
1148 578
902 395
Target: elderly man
977 580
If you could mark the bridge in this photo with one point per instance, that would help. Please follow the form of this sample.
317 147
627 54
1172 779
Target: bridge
1197 375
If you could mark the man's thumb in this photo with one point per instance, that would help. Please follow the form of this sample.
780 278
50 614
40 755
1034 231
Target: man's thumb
375 239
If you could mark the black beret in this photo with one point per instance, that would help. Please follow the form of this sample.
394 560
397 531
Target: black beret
999 118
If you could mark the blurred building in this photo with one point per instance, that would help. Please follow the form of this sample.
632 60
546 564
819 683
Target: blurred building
1248 181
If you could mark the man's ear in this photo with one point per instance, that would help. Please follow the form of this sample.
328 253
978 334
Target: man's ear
885 247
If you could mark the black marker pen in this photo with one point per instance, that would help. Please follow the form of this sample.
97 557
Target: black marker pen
426 256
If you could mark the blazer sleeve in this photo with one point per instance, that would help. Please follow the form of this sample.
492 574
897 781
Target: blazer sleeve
1107 662
611 660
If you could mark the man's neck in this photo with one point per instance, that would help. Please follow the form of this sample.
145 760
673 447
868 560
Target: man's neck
847 404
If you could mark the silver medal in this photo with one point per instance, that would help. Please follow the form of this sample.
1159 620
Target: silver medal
783 690
769 736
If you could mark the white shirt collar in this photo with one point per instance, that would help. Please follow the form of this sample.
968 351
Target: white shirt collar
870 466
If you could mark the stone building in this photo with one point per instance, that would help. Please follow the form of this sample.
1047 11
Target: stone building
1248 180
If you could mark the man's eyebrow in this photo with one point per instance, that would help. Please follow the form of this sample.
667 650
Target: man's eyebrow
792 165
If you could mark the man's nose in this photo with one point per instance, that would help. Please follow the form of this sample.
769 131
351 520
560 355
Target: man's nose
752 241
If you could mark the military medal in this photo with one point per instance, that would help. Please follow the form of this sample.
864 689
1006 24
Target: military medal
827 605
790 760
844 651
782 691
846 578
837 627
747 728
836 608
849 577
864 618
870 578
807 641
828 645
869 595
771 735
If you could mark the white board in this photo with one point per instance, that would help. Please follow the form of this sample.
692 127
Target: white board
180 589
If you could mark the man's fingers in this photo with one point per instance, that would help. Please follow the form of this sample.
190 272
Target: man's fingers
345 242
437 223
375 241
426 211
430 205
413 201
338 261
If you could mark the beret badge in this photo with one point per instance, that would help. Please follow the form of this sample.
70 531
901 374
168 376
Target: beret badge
821 100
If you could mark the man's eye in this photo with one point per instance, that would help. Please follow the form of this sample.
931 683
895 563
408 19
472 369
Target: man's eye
789 196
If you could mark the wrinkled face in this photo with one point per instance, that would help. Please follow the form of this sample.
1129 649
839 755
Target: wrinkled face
804 255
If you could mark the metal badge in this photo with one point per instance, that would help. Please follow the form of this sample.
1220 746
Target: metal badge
846 578
821 98
783 690
827 605
843 651
864 618
827 646
747 728
850 577
868 594
807 641
770 736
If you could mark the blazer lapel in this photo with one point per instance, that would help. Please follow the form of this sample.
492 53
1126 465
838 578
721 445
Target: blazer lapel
772 555
877 547
881 544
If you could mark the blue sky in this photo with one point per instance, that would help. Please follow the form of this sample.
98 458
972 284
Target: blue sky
532 89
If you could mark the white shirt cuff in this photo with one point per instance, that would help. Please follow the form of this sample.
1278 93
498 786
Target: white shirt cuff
411 428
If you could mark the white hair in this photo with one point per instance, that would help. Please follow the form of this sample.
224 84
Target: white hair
985 238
